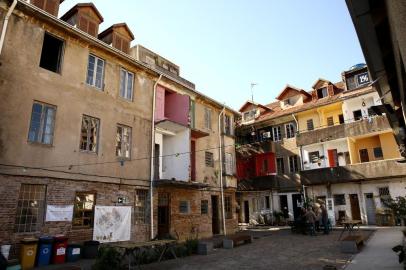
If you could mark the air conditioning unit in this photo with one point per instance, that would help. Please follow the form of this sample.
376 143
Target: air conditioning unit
266 135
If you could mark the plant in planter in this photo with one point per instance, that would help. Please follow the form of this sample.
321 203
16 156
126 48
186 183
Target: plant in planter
108 258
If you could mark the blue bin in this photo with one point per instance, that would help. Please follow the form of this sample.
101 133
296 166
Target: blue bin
44 250
73 252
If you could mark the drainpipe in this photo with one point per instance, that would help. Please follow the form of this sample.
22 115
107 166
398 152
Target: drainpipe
221 172
5 23
301 149
151 196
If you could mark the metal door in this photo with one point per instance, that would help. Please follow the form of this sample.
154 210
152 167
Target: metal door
370 208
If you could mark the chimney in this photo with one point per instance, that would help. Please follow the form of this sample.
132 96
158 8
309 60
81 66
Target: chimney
119 36
50 6
85 17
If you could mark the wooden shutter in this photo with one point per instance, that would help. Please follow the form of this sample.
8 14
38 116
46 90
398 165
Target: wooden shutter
39 3
92 28
83 22
51 6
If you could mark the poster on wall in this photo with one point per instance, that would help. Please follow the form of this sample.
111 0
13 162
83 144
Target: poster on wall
112 223
59 213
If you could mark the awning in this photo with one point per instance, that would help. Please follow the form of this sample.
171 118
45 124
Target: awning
197 134
179 184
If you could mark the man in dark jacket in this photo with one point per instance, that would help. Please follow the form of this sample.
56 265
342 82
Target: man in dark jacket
324 218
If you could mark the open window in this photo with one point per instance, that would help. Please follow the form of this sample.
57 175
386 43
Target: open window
51 54
322 92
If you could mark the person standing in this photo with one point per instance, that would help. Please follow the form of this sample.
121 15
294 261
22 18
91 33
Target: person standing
310 220
324 219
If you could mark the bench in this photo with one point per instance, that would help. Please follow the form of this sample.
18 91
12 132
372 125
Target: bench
235 240
352 243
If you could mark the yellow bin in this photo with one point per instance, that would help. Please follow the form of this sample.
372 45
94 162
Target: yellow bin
28 253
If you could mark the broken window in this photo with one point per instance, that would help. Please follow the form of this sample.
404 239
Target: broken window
83 210
95 71
30 208
228 207
126 84
51 54
123 141
322 92
140 206
209 159
89 137
42 123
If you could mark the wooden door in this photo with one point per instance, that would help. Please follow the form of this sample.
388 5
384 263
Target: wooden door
363 155
163 215
193 160
332 157
215 222
246 212
355 212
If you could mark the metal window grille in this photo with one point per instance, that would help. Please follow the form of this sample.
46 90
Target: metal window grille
140 206
30 208
83 211
209 159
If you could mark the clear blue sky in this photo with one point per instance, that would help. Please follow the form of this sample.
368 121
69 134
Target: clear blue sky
224 45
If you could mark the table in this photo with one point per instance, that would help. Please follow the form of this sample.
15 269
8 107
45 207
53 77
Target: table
132 249
349 226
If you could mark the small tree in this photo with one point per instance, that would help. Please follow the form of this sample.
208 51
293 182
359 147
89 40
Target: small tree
398 206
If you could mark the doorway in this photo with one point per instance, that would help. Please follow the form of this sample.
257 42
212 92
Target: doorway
215 225
246 212
156 161
193 160
332 158
370 208
283 201
297 203
355 212
363 155
163 215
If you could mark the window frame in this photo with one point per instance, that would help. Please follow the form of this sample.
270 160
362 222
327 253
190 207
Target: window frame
42 124
330 121
283 165
121 138
140 211
311 154
181 207
228 207
229 163
209 159
207 118
127 73
276 134
60 56
93 84
296 164
322 92
290 133
204 207
379 148
310 122
340 198
88 133
75 208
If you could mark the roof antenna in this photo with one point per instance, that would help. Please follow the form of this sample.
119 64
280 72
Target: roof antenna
252 92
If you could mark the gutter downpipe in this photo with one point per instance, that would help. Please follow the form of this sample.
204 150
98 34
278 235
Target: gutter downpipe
151 196
221 172
301 158
5 24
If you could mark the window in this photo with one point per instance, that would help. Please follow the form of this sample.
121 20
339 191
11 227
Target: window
150 60
293 164
314 157
165 66
207 118
204 207
384 194
51 54
248 116
357 115
330 121
30 208
123 141
341 119
192 114
322 92
277 134
126 84
280 166
310 125
290 130
95 72
229 162
42 123
339 199
378 152
228 207
267 202
140 206
286 102
184 207
83 211
371 112
88 25
89 136
208 157
228 128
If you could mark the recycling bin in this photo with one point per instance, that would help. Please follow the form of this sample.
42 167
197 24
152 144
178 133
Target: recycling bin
59 249
90 249
44 250
73 252
28 252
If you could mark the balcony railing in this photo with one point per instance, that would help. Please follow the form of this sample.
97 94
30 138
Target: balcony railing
351 129
356 172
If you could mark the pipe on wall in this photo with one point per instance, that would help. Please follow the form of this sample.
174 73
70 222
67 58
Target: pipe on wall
221 172
5 24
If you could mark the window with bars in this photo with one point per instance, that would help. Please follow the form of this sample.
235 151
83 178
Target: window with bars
228 207
384 195
83 211
330 121
314 157
184 207
89 136
280 166
123 142
310 125
95 71
339 199
208 157
140 206
290 130
126 84
229 164
207 118
42 123
30 208
276 133
204 207
293 164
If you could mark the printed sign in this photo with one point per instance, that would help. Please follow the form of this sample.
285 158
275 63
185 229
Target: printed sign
75 251
363 78
112 223
60 251
59 213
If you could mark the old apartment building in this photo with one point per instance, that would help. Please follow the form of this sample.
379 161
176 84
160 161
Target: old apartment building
88 122
348 154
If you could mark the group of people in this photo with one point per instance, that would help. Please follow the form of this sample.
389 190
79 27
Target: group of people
313 218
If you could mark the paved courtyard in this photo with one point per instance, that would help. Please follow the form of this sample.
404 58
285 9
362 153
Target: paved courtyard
272 250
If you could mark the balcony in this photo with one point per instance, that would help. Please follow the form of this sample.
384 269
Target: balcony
352 129
389 168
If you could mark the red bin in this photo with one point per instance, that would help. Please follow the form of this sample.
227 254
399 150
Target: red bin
59 249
